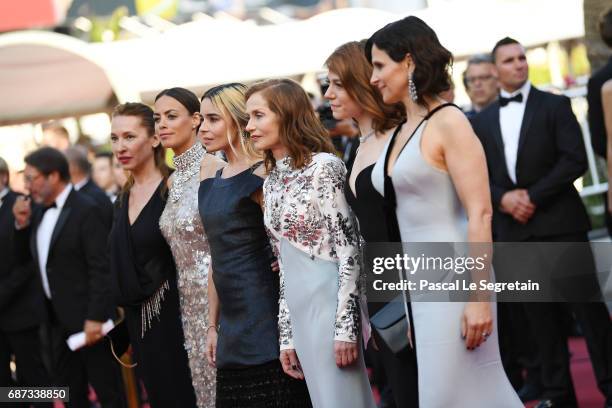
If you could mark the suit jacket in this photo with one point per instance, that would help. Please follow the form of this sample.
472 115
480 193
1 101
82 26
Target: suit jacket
551 155
596 117
20 293
102 201
77 264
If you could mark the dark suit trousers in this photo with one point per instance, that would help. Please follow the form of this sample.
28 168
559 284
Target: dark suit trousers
25 346
548 326
93 365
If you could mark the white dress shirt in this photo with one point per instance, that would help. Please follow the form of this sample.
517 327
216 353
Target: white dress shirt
3 194
44 233
78 186
510 121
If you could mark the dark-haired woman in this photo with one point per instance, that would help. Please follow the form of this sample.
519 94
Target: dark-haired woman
313 233
436 170
352 97
242 339
141 261
177 118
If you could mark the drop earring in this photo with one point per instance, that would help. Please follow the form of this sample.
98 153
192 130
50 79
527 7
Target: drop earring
412 89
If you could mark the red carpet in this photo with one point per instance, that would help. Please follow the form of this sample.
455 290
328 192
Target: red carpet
582 374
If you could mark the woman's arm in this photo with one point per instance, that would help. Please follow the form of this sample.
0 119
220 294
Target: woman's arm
343 237
465 161
213 320
606 103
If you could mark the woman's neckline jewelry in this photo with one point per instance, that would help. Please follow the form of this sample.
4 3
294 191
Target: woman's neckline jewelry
362 139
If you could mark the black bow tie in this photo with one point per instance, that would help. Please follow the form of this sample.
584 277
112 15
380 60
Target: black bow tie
48 207
516 98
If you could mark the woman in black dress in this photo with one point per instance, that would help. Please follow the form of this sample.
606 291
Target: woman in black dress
141 262
352 97
242 339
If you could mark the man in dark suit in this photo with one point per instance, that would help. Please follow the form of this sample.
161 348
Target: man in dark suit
66 240
535 151
20 301
596 116
480 83
80 177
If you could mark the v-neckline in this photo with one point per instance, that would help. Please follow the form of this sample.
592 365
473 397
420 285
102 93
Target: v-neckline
354 192
132 223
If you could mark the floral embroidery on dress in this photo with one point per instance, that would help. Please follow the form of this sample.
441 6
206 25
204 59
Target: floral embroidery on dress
307 207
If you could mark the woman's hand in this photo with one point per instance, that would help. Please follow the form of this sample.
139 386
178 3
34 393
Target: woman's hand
211 345
275 266
476 323
291 364
346 353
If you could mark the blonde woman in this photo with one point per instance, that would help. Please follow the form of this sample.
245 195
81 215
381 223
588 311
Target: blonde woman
242 339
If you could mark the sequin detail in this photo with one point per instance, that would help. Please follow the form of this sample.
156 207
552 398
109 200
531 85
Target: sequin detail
182 228
307 207
151 308
185 170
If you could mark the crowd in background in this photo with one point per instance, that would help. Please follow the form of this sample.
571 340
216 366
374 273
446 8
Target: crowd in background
220 264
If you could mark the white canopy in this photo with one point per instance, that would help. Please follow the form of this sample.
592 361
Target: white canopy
209 51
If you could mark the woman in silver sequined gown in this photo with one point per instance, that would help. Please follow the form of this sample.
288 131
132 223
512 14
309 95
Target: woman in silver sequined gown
177 119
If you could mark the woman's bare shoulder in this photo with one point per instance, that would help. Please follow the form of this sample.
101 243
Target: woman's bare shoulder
261 171
209 166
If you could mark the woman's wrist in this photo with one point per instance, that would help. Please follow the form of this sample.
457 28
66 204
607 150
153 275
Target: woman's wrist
212 326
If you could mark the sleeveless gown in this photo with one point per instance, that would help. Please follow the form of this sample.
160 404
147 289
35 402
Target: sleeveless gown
429 210
182 228
400 370
249 374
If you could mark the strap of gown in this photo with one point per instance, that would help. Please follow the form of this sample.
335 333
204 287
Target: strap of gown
389 191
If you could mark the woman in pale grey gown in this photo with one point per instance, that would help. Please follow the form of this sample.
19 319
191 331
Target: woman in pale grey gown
177 117
313 234
437 173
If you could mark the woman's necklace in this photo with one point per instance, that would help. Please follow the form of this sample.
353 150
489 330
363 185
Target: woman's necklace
362 139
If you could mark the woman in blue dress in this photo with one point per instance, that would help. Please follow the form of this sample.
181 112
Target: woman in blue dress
242 335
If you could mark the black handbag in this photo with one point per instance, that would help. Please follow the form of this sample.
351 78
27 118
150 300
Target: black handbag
392 321
392 326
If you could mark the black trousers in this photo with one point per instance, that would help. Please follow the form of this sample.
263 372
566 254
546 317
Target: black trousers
516 346
548 327
93 365
31 372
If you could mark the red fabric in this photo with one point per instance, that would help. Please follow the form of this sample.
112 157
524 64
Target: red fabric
582 373
24 14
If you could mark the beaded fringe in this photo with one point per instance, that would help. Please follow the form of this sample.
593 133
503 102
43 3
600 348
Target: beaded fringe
151 308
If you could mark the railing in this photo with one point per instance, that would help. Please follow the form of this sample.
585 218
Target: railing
595 181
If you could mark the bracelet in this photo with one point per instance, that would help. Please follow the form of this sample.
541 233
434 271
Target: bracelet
212 326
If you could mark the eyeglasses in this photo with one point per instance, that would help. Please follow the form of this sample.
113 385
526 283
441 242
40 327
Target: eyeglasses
29 179
481 78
